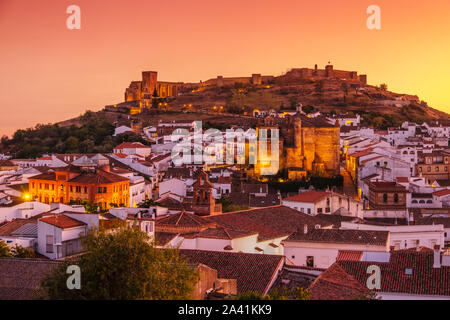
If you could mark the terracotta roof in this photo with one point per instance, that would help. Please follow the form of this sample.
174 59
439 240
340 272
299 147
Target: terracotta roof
386 186
336 284
183 219
131 145
7 163
403 179
269 222
163 238
434 220
21 278
349 255
361 153
309 196
98 177
442 193
223 233
253 272
62 221
378 238
424 280
49 175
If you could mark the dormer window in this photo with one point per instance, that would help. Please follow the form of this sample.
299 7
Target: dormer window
408 271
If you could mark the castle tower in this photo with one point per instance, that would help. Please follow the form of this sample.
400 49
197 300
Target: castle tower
329 72
256 79
149 81
220 81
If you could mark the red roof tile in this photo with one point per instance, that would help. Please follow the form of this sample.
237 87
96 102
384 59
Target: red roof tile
131 145
62 221
253 272
309 196
442 193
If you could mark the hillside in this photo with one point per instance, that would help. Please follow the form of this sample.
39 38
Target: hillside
223 107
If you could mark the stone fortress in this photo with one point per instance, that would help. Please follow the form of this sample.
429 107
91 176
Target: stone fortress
306 145
149 87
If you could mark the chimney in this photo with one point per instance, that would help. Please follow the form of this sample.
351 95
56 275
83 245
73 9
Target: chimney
437 257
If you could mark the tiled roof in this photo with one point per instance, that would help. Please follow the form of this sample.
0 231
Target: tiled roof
62 221
336 284
98 177
49 175
131 145
21 278
163 238
183 219
223 233
269 222
7 163
378 238
442 193
424 280
349 255
386 186
434 220
253 272
309 196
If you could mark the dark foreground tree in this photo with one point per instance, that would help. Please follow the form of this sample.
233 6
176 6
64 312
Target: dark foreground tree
123 265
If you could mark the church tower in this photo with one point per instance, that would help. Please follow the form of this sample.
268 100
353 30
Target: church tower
203 203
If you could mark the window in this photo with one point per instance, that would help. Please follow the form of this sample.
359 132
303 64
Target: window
309 211
104 189
71 189
429 169
310 261
49 244
385 198
437 169
396 198
85 189
319 210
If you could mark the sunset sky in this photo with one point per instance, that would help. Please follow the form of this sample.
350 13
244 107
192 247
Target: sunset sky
49 73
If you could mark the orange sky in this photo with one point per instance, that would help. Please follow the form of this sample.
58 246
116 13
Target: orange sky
49 73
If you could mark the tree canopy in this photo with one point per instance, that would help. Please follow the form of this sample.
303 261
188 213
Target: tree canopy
123 265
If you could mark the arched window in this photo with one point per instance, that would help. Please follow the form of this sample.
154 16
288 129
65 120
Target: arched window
422 201
385 197
414 201
396 198
429 201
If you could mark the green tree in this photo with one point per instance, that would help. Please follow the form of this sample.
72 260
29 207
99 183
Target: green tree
4 249
21 252
123 265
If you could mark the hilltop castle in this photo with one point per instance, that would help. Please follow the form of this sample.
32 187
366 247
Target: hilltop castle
149 87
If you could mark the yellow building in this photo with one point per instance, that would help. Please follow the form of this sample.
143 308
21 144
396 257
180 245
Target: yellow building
305 145
75 184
